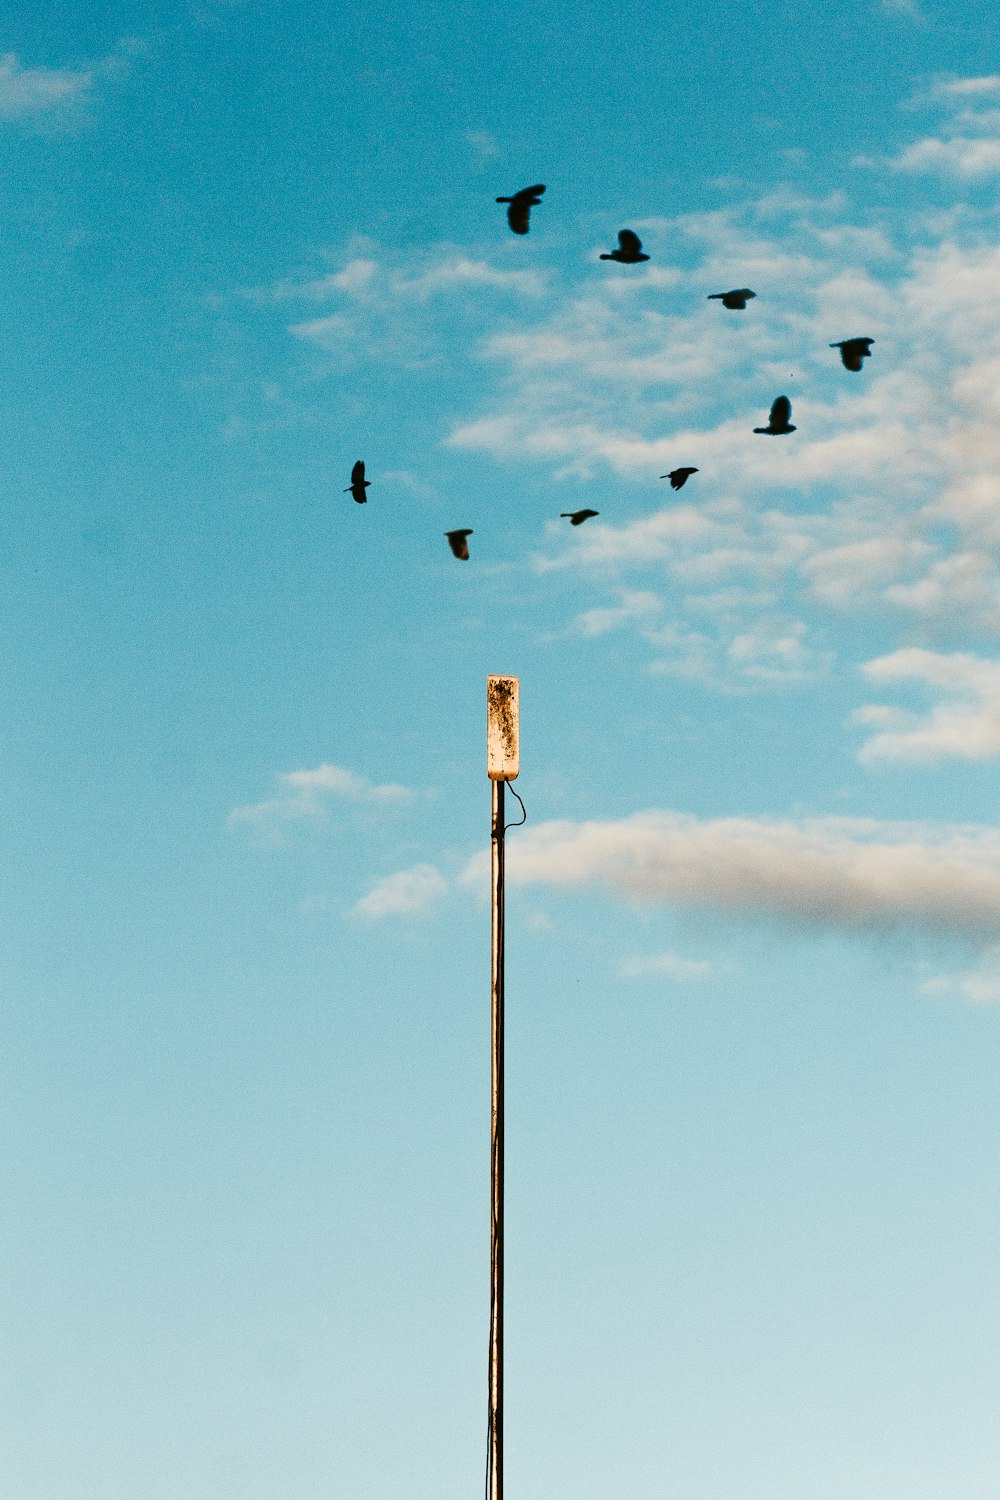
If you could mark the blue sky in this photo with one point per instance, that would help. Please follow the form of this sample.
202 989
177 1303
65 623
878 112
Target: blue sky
753 931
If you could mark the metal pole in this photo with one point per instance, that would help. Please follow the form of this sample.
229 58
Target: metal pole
496 1207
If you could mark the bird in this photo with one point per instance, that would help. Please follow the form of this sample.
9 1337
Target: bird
520 205
853 351
457 541
358 483
736 300
679 477
629 252
777 422
577 517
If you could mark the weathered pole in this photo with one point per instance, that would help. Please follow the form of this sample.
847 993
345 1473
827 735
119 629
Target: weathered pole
502 764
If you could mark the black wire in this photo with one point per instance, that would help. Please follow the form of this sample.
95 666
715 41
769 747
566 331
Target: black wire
524 819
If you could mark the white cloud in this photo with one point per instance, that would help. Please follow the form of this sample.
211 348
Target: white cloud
908 8
666 966
967 146
776 651
304 795
634 605
386 307
980 984
403 894
484 144
852 874
958 156
29 91
964 88
966 726
843 574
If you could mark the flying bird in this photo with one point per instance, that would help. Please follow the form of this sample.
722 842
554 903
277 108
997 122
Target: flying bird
736 300
853 351
679 477
629 252
520 204
777 422
577 517
358 483
458 542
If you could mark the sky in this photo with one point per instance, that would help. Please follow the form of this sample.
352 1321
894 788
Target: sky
753 920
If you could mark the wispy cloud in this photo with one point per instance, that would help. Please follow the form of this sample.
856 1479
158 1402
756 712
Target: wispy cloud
31 91
967 144
400 310
966 726
954 156
966 88
666 966
633 605
405 893
841 873
979 984
484 144
306 795
908 8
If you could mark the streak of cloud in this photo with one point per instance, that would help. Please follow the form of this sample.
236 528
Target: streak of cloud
966 726
305 796
849 874
405 893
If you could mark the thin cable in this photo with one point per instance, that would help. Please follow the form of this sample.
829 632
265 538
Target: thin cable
524 819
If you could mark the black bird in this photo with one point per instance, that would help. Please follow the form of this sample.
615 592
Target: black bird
358 483
577 517
678 477
735 300
853 351
777 422
629 252
520 205
457 541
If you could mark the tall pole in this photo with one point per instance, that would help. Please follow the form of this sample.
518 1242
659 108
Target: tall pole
497 1143
502 764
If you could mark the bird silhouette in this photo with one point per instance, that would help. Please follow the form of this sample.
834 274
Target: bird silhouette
577 517
629 252
679 477
520 204
853 351
358 483
777 422
457 541
736 300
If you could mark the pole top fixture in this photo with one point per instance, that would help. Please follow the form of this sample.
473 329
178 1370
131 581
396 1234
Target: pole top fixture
502 728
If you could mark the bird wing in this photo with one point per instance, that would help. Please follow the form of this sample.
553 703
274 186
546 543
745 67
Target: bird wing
629 242
853 351
520 207
358 472
781 410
